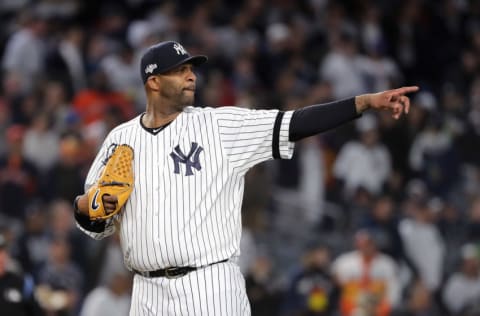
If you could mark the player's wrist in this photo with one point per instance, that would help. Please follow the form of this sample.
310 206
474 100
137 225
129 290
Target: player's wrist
362 102
80 205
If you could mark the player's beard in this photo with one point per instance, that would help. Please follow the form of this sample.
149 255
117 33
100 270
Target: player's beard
187 97
180 99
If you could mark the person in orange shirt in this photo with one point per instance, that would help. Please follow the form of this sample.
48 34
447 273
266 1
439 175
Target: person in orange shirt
91 104
367 278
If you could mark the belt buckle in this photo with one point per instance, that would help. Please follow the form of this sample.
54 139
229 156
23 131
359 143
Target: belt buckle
175 272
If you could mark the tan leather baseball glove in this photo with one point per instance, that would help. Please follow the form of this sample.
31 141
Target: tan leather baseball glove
116 179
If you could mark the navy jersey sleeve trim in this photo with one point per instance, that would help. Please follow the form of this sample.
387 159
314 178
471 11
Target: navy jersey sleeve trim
314 119
276 135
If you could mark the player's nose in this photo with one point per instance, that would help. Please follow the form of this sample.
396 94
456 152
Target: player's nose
191 76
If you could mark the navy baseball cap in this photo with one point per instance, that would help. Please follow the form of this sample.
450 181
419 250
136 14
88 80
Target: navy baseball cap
165 56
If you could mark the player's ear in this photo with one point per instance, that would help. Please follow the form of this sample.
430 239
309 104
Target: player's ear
153 83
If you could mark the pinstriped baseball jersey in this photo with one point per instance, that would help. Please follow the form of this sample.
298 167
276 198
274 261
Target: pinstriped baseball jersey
189 178
216 290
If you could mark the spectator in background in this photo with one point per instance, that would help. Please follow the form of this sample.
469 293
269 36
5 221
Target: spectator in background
93 104
342 66
471 138
62 226
473 221
96 48
422 241
424 104
433 157
18 177
299 189
60 281
56 104
404 36
5 122
383 220
237 38
67 61
298 195
368 279
363 163
419 302
111 299
462 289
248 247
244 80
122 70
453 226
66 176
16 291
277 51
312 290
392 134
40 144
381 71
25 50
24 108
32 245
107 261
263 295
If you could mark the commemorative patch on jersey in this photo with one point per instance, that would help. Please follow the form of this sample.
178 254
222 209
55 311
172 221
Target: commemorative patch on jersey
109 153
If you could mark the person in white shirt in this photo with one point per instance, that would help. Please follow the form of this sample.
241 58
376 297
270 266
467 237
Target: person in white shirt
423 243
463 287
363 163
110 299
25 50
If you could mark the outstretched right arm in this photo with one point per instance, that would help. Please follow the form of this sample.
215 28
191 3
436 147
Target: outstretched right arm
318 118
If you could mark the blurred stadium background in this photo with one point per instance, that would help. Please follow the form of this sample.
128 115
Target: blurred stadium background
405 194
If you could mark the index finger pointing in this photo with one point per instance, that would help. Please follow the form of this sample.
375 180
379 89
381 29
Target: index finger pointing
405 90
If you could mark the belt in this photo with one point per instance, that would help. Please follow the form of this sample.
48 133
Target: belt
173 272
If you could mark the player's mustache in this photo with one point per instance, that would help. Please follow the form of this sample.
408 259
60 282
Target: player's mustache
192 88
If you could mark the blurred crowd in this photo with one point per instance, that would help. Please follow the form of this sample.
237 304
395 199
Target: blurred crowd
378 217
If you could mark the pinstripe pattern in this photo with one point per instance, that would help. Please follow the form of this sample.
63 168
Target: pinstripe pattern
217 290
172 219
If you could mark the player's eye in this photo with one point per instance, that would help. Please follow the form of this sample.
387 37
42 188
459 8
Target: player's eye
185 68
182 69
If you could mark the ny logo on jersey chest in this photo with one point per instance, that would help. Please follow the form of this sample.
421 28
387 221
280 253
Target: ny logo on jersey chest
191 160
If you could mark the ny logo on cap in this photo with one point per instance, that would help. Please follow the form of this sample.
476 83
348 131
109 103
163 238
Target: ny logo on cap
179 48
150 68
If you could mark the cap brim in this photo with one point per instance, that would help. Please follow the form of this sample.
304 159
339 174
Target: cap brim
194 60
197 60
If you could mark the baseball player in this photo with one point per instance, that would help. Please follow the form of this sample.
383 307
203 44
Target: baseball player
180 227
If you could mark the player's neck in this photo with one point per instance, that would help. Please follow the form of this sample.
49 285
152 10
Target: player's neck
153 119
160 111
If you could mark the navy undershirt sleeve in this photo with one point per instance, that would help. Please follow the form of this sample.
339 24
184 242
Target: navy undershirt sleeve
314 119
87 224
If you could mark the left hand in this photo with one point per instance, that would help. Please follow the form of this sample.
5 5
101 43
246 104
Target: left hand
109 203
394 100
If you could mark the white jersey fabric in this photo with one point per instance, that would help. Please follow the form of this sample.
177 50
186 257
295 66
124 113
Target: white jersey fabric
185 208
